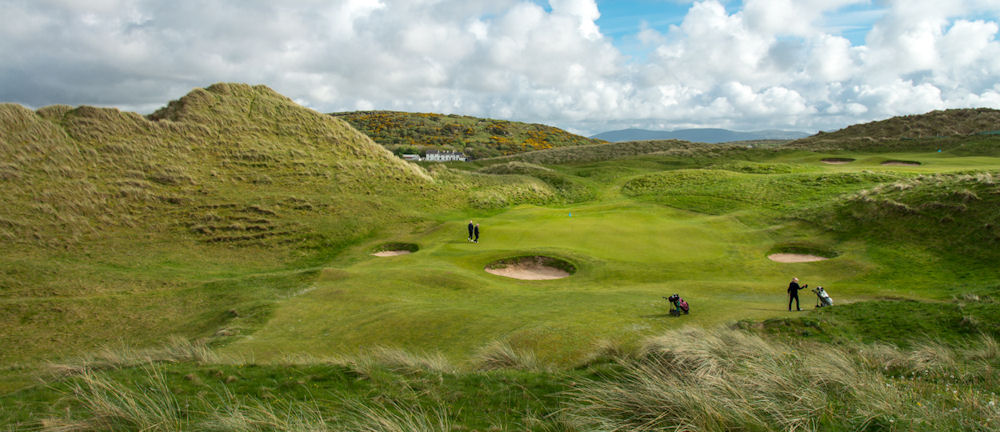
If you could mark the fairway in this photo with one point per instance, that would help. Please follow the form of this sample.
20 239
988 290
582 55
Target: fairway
628 255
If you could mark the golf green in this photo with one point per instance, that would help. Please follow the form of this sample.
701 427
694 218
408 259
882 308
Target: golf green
628 256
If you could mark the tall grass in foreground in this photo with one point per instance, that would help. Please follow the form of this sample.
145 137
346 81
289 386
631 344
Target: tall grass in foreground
149 404
684 380
731 380
177 349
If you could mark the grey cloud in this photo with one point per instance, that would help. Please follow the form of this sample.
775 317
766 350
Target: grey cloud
509 59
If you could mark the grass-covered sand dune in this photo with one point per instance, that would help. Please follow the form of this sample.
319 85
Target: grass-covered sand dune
219 265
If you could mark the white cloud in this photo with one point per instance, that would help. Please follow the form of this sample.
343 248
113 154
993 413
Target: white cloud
764 64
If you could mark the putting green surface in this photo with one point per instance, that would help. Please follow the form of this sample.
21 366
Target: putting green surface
628 255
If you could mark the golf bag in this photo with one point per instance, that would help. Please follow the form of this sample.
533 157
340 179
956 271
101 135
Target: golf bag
822 298
678 305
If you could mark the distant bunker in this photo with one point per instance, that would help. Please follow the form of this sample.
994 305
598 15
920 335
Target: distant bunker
394 249
798 253
837 161
901 163
535 267
795 258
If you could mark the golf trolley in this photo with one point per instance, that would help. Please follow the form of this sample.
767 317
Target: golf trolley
822 298
678 305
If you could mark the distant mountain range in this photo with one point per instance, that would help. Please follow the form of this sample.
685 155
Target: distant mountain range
707 135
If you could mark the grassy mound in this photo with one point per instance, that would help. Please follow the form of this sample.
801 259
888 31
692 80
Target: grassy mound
163 224
717 191
416 132
946 123
568 188
958 213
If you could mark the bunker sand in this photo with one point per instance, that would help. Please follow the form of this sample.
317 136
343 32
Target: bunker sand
795 258
529 271
391 253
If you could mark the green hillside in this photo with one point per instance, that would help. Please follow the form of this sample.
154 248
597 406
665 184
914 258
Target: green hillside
404 132
211 267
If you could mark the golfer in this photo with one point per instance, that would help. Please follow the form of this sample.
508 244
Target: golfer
793 293
476 232
470 230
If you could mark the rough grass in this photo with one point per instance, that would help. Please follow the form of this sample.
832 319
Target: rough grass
725 380
957 212
477 137
921 130
611 151
687 379
719 191
568 188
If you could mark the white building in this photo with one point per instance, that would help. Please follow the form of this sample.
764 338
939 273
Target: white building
444 156
411 157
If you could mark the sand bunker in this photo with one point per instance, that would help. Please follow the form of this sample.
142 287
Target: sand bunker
837 161
795 258
531 268
391 253
901 163
394 249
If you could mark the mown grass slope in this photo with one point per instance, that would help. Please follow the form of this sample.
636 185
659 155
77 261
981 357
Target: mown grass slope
405 132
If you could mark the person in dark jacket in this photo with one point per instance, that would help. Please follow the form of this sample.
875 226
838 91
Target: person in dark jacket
470 230
793 293
476 231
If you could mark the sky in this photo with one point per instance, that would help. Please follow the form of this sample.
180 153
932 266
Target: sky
582 65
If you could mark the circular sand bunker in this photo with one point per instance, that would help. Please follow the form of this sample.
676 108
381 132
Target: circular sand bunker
394 249
901 163
837 161
795 258
531 268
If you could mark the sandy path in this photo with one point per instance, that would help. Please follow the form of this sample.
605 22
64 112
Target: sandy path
836 161
529 271
795 258
391 253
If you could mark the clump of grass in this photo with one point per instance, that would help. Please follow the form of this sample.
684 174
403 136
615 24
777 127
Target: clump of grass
177 349
112 406
233 414
501 355
608 351
696 379
393 416
401 361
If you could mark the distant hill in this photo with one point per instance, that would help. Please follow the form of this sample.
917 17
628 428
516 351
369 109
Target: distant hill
933 130
404 132
709 135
